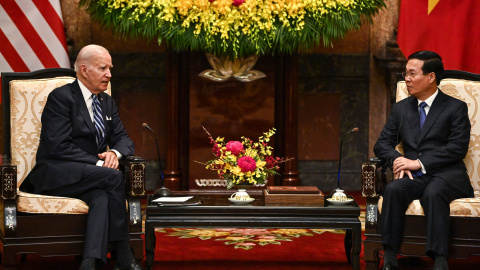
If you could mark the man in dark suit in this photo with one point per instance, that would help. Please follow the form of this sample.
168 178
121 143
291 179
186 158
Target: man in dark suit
434 129
78 156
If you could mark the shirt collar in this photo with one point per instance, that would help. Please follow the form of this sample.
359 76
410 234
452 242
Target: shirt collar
430 99
85 92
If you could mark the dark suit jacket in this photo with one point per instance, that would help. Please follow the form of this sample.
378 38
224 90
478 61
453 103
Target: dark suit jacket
67 139
441 145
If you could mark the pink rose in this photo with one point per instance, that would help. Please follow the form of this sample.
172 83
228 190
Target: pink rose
238 2
235 147
247 164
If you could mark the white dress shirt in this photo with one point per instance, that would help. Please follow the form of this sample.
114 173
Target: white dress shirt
429 102
87 96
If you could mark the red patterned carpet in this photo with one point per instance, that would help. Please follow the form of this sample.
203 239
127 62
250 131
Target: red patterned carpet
252 248
227 249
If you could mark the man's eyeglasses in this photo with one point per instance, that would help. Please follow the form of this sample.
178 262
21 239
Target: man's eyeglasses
411 74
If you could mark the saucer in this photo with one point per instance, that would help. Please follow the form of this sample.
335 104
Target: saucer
349 200
241 201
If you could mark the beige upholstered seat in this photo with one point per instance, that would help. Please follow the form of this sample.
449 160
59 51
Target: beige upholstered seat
27 99
469 92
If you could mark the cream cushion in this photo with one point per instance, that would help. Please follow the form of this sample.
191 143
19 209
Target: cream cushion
34 203
27 100
469 92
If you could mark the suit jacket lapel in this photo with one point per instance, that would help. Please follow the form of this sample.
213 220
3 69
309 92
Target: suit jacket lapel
82 106
413 117
437 107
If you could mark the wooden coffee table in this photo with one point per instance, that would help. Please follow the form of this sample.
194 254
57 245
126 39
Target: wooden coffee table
217 212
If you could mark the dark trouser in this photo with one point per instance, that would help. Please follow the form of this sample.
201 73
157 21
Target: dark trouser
103 190
435 195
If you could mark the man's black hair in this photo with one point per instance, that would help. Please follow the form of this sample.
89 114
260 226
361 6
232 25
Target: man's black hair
433 63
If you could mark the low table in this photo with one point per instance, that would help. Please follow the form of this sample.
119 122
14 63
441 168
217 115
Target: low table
217 212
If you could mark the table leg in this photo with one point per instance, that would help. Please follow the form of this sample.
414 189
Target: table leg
353 246
357 246
348 245
149 246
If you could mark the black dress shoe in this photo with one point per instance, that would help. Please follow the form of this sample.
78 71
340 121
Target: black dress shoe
133 266
390 267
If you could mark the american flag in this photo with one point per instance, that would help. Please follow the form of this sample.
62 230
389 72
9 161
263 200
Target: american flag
32 35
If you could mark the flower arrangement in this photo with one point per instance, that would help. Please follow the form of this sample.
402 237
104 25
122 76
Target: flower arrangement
245 162
237 28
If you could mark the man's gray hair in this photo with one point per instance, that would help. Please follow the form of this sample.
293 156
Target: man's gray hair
86 54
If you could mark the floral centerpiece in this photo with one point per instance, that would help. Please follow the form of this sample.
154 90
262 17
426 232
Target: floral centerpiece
246 162
236 28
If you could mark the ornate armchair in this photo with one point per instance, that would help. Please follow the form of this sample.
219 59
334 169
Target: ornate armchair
465 213
46 225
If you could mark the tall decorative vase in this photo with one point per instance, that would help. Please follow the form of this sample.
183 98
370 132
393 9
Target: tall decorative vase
239 68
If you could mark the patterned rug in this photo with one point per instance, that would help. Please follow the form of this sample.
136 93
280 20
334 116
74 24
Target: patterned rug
266 249
245 239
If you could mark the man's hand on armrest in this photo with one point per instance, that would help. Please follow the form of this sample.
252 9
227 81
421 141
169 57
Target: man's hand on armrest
402 166
110 159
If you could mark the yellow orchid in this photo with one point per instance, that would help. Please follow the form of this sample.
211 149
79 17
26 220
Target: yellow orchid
238 30
261 163
236 170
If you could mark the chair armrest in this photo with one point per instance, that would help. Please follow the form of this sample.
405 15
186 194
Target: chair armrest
8 202
376 174
134 172
370 183
8 178
133 169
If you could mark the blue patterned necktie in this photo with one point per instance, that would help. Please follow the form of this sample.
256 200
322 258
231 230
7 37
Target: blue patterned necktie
98 119
423 114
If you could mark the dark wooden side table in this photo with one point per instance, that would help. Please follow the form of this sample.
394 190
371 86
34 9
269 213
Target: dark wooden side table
217 212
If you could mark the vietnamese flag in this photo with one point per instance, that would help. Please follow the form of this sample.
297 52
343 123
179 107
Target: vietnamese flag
450 28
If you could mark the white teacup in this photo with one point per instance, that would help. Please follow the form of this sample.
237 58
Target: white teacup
240 195
339 195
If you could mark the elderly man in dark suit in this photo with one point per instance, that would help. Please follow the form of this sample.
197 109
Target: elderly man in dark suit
435 131
81 142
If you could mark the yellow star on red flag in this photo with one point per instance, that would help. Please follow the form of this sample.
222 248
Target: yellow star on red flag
448 27
432 4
